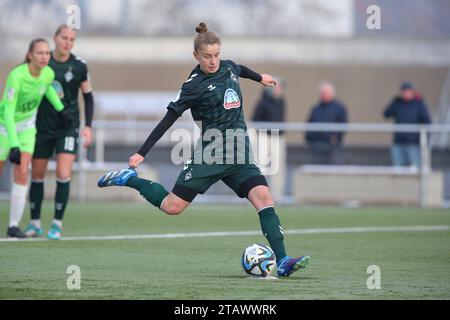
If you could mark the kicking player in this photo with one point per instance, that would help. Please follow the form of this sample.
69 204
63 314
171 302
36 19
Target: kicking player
71 75
25 87
213 95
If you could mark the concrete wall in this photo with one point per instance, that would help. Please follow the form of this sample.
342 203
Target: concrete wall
347 186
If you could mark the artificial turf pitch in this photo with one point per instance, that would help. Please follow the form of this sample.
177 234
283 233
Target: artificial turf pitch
413 264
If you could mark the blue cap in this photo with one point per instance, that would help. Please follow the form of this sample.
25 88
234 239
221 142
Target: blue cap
406 85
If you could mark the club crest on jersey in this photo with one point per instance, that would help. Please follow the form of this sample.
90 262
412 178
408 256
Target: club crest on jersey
233 77
186 166
68 75
231 99
188 176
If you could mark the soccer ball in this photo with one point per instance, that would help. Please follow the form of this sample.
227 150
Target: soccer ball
258 260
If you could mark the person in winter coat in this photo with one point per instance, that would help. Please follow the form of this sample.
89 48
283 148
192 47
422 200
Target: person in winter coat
407 108
326 146
272 149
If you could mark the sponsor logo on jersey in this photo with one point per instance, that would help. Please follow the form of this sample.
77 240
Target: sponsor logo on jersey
11 93
231 99
42 90
211 87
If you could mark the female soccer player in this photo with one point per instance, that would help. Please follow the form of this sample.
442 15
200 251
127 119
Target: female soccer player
213 94
71 75
25 87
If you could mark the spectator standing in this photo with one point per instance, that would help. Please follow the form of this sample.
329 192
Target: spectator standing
326 146
271 108
407 108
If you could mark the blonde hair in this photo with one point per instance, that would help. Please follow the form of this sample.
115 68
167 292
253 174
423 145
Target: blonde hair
204 37
61 28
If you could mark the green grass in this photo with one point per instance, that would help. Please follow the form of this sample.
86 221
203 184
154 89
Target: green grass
414 265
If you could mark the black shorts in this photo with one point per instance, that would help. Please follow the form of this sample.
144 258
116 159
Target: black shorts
45 145
197 178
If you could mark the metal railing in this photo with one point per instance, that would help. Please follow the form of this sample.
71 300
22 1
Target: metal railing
103 127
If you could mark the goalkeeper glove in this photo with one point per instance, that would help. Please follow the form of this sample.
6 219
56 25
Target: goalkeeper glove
14 155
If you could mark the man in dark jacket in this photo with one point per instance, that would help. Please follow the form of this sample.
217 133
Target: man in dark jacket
271 150
271 105
407 108
326 146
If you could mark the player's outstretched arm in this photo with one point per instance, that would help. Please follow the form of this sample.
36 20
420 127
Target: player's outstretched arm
267 80
264 79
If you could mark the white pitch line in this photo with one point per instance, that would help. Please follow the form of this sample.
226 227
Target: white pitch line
242 233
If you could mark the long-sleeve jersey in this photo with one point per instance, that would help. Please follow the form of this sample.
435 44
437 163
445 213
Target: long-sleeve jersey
69 76
215 101
22 96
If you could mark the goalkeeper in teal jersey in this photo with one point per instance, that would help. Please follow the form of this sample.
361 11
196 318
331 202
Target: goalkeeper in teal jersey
212 93
26 85
71 75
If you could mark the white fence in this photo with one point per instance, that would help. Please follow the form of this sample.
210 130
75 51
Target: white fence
424 175
103 128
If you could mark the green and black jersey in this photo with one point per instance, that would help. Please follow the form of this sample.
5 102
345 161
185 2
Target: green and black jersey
215 101
68 77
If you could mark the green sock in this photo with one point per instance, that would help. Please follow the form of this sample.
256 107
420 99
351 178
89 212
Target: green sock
272 230
36 197
152 191
61 198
